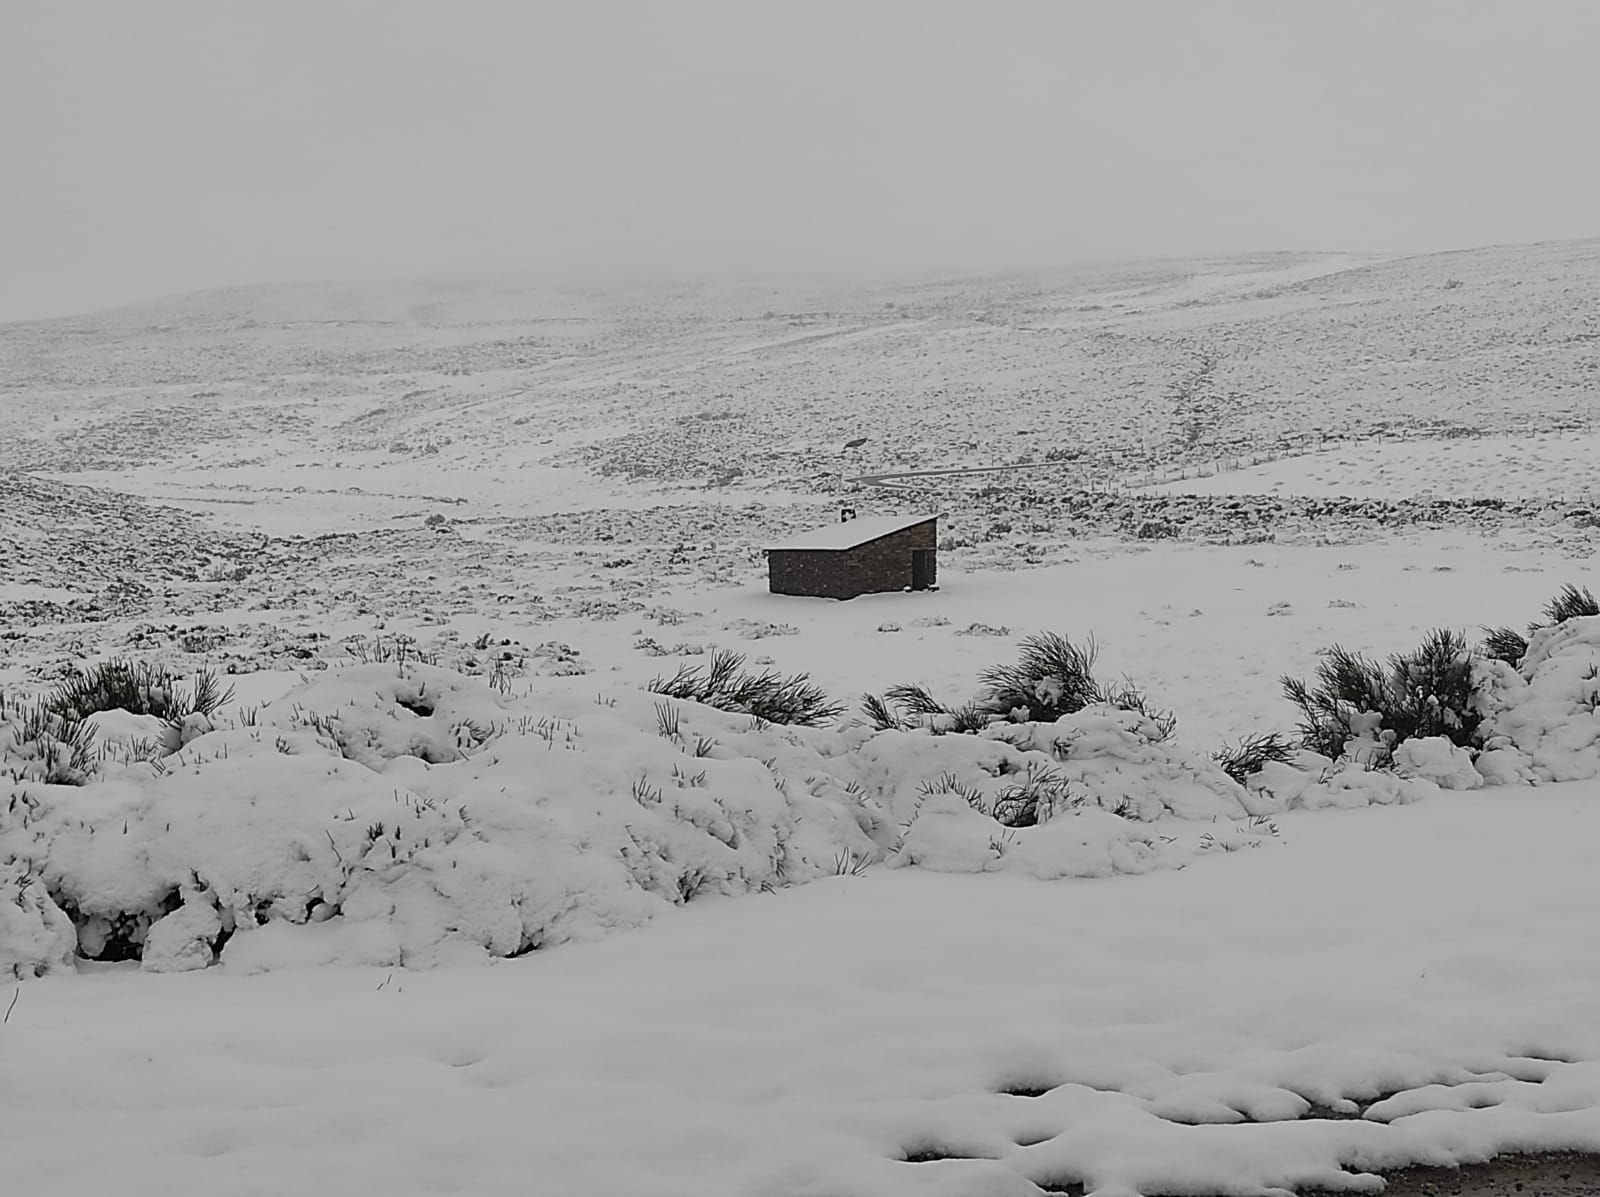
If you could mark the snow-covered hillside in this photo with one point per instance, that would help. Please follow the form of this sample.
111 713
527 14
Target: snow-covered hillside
439 538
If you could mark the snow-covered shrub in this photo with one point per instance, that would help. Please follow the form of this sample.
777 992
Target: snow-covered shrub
1077 797
1052 677
1358 706
414 817
722 683
36 937
1312 782
1439 761
38 744
1541 721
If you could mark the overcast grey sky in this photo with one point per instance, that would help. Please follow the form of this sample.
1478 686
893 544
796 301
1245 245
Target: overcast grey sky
154 147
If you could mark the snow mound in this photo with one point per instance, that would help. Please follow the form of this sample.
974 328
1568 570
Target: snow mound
457 821
415 815
1342 785
1542 719
36 937
1080 797
1436 759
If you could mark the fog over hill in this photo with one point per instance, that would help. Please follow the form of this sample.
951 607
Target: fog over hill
1129 365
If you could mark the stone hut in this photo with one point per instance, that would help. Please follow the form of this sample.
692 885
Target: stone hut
858 556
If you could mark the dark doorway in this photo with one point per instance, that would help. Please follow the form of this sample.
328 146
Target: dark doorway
924 572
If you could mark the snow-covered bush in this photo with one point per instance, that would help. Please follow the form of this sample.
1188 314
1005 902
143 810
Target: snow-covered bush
1051 677
1360 707
425 816
36 937
38 744
401 813
1541 721
1082 796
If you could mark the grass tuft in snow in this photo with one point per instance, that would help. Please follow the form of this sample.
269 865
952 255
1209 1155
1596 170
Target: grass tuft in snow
1509 645
879 716
1035 797
138 687
1251 754
1569 603
769 696
1504 644
47 746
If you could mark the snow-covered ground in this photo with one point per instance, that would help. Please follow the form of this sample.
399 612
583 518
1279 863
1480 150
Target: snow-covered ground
1555 464
1216 1029
487 916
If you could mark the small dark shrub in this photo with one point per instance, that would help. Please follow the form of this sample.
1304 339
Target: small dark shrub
1055 677
903 705
1250 755
1569 603
770 696
1504 644
1427 692
1052 677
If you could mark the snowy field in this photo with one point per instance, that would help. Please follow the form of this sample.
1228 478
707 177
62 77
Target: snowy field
443 900
1560 464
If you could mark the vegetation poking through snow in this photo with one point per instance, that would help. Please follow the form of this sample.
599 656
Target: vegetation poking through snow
916 706
1040 793
769 696
1569 603
1504 644
1509 645
138 687
1424 693
53 741
1052 677
1251 754
47 747
878 714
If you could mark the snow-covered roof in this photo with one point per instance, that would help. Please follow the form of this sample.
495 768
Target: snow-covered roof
849 534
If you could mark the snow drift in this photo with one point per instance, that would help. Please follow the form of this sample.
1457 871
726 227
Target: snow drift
409 814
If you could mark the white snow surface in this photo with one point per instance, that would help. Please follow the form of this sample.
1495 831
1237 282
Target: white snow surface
451 821
492 926
1424 964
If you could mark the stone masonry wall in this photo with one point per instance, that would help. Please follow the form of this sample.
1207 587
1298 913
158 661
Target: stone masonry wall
875 567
